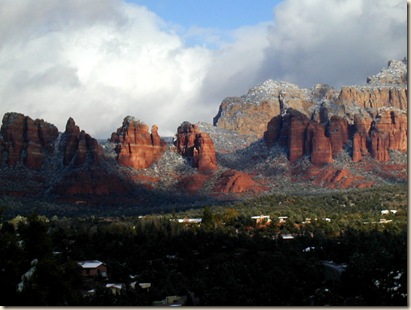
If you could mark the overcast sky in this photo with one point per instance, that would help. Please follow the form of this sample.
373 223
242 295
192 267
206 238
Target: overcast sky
169 61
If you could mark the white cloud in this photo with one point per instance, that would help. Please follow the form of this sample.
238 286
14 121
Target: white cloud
100 60
335 41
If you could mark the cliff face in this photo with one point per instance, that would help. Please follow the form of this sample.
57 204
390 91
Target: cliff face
323 142
322 122
196 146
78 147
135 146
24 141
308 136
250 113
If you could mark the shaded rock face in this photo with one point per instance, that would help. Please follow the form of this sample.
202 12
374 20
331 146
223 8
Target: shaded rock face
301 136
388 132
94 182
193 183
197 146
24 141
78 147
233 181
323 142
135 146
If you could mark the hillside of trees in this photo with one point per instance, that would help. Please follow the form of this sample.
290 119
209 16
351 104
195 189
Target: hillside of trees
339 249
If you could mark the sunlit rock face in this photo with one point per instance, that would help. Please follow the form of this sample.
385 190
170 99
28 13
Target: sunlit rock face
233 181
135 146
197 146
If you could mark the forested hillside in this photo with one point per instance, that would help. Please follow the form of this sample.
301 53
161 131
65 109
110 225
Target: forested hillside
332 249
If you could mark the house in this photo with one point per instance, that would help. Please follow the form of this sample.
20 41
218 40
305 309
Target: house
143 285
92 268
385 211
115 287
261 219
287 236
282 219
188 221
307 220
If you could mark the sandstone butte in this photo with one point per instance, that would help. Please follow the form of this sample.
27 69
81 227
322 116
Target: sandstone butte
135 146
197 146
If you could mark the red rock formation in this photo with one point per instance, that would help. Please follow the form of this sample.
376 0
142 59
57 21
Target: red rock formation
197 146
136 147
301 136
362 125
294 132
321 148
338 132
233 181
388 132
374 97
332 177
26 141
78 147
193 183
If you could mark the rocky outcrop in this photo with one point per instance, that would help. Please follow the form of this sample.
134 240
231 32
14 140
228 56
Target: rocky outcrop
338 133
250 113
385 89
319 146
196 146
78 147
233 181
374 97
388 132
135 146
396 73
301 137
24 141
323 142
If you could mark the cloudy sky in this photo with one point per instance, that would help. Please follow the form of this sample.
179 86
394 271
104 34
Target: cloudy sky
168 61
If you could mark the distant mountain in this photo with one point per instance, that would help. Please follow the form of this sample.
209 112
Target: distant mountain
276 138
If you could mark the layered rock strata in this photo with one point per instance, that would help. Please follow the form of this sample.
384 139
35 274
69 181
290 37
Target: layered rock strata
249 114
135 146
